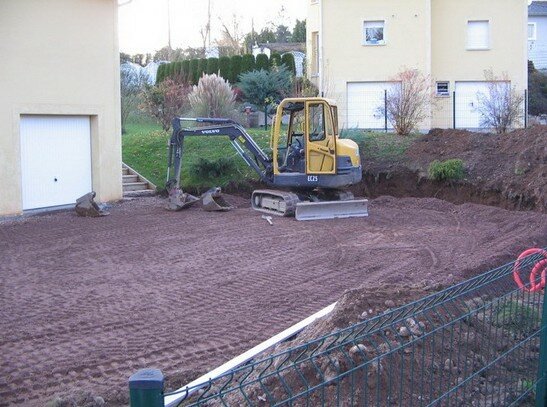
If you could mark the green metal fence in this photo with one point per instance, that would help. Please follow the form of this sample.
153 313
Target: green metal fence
476 343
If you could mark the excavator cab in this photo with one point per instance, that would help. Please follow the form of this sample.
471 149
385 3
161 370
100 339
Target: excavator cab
307 153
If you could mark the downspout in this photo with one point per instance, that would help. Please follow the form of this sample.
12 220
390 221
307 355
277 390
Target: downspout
320 46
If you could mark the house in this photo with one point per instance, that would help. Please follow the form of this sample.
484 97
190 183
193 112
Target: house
357 47
295 48
537 34
59 104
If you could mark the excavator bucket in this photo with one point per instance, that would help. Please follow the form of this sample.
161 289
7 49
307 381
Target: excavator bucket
212 201
179 200
331 209
86 206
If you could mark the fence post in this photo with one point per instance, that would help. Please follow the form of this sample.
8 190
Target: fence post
525 108
454 109
385 110
541 387
146 388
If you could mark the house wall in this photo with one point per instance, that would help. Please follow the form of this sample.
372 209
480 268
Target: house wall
60 58
537 50
427 35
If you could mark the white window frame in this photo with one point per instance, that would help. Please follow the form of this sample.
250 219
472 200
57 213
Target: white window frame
442 95
374 20
488 39
535 32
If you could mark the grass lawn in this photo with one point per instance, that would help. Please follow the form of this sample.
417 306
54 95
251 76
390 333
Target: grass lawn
212 161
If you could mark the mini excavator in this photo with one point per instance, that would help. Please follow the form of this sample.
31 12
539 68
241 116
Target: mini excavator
306 172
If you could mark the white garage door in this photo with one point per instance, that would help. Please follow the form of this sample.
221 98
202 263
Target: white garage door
467 104
55 160
366 101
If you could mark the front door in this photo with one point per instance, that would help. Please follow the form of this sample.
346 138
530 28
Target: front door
320 139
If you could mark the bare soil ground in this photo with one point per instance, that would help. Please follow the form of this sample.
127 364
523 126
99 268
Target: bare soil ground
506 170
86 302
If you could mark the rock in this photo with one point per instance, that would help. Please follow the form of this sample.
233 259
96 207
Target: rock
389 303
358 349
363 316
404 332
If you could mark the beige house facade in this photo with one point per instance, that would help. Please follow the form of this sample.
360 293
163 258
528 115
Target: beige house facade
60 126
356 48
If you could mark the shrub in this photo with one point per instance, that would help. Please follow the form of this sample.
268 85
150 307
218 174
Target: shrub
303 87
202 67
406 103
212 66
212 97
160 74
165 101
247 63
224 68
194 71
178 70
207 169
185 71
446 170
235 68
537 97
288 60
275 59
262 62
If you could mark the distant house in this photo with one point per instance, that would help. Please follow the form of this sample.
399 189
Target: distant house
354 52
297 49
537 34
60 131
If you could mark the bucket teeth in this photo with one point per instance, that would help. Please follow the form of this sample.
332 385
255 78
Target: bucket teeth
179 200
213 201
86 206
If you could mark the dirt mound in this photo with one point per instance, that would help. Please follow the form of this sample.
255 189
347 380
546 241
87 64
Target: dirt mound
513 165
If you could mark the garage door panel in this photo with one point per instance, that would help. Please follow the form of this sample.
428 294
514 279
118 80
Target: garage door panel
366 101
467 104
55 160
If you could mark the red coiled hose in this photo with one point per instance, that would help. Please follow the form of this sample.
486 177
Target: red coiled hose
539 270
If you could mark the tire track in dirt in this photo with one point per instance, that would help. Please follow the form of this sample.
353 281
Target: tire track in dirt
86 302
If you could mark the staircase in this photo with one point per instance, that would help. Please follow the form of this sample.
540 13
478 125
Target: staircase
135 184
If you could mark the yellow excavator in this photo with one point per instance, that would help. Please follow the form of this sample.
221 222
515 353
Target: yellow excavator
306 172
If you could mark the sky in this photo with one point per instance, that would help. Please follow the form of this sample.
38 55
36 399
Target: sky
143 23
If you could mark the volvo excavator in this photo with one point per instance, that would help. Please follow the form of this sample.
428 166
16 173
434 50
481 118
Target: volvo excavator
306 172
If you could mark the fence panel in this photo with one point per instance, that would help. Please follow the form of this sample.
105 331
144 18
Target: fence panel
475 343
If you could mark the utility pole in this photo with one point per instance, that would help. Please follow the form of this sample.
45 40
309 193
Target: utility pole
169 28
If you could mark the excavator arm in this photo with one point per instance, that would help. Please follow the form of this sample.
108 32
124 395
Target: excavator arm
242 142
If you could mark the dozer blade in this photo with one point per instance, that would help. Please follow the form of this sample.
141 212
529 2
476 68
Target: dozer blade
331 209
86 206
212 201
179 200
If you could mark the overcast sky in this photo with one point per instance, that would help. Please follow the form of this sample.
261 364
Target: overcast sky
143 23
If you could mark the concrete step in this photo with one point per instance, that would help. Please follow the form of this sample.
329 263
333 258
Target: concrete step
125 171
130 178
135 186
142 192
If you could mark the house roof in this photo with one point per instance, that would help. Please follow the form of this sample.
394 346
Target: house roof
537 8
282 47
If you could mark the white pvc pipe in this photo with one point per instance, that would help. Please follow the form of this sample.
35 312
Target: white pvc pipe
191 387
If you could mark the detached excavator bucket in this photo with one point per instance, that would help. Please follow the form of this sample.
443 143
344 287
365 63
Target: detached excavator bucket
212 201
179 200
86 206
331 209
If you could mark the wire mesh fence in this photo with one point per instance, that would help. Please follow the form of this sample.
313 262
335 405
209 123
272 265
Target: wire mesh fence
480 110
476 343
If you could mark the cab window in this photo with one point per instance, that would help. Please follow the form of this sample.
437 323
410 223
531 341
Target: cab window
317 122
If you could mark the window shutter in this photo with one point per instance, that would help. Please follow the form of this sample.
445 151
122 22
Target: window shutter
477 35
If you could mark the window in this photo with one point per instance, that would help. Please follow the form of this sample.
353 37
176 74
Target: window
316 131
532 33
443 89
315 53
374 32
478 35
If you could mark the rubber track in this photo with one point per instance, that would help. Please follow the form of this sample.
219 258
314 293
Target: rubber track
290 199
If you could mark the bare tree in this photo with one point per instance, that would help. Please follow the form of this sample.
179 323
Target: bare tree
165 101
231 38
502 106
407 102
132 82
